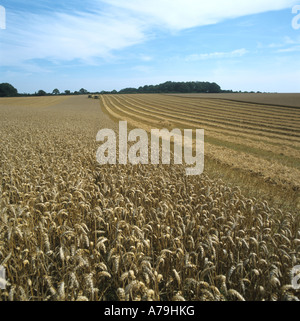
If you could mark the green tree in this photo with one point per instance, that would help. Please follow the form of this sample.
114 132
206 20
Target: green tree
83 91
55 92
67 92
214 88
41 93
7 90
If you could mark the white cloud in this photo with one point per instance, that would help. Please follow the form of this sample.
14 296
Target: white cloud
146 58
68 35
182 14
291 49
217 55
287 44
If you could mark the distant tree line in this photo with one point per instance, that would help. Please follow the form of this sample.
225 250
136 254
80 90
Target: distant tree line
7 90
176 87
171 87
56 92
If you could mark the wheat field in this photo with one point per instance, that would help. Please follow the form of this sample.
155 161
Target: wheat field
72 230
254 139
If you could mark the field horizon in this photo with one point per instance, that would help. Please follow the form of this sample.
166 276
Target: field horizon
281 99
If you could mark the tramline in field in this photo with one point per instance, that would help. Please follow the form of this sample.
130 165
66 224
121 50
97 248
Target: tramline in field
268 142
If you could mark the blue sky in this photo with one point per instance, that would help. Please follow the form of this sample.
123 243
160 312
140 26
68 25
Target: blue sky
113 44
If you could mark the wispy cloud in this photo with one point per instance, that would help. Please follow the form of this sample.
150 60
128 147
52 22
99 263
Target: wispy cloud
98 29
182 14
217 55
287 44
146 58
66 37
291 49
